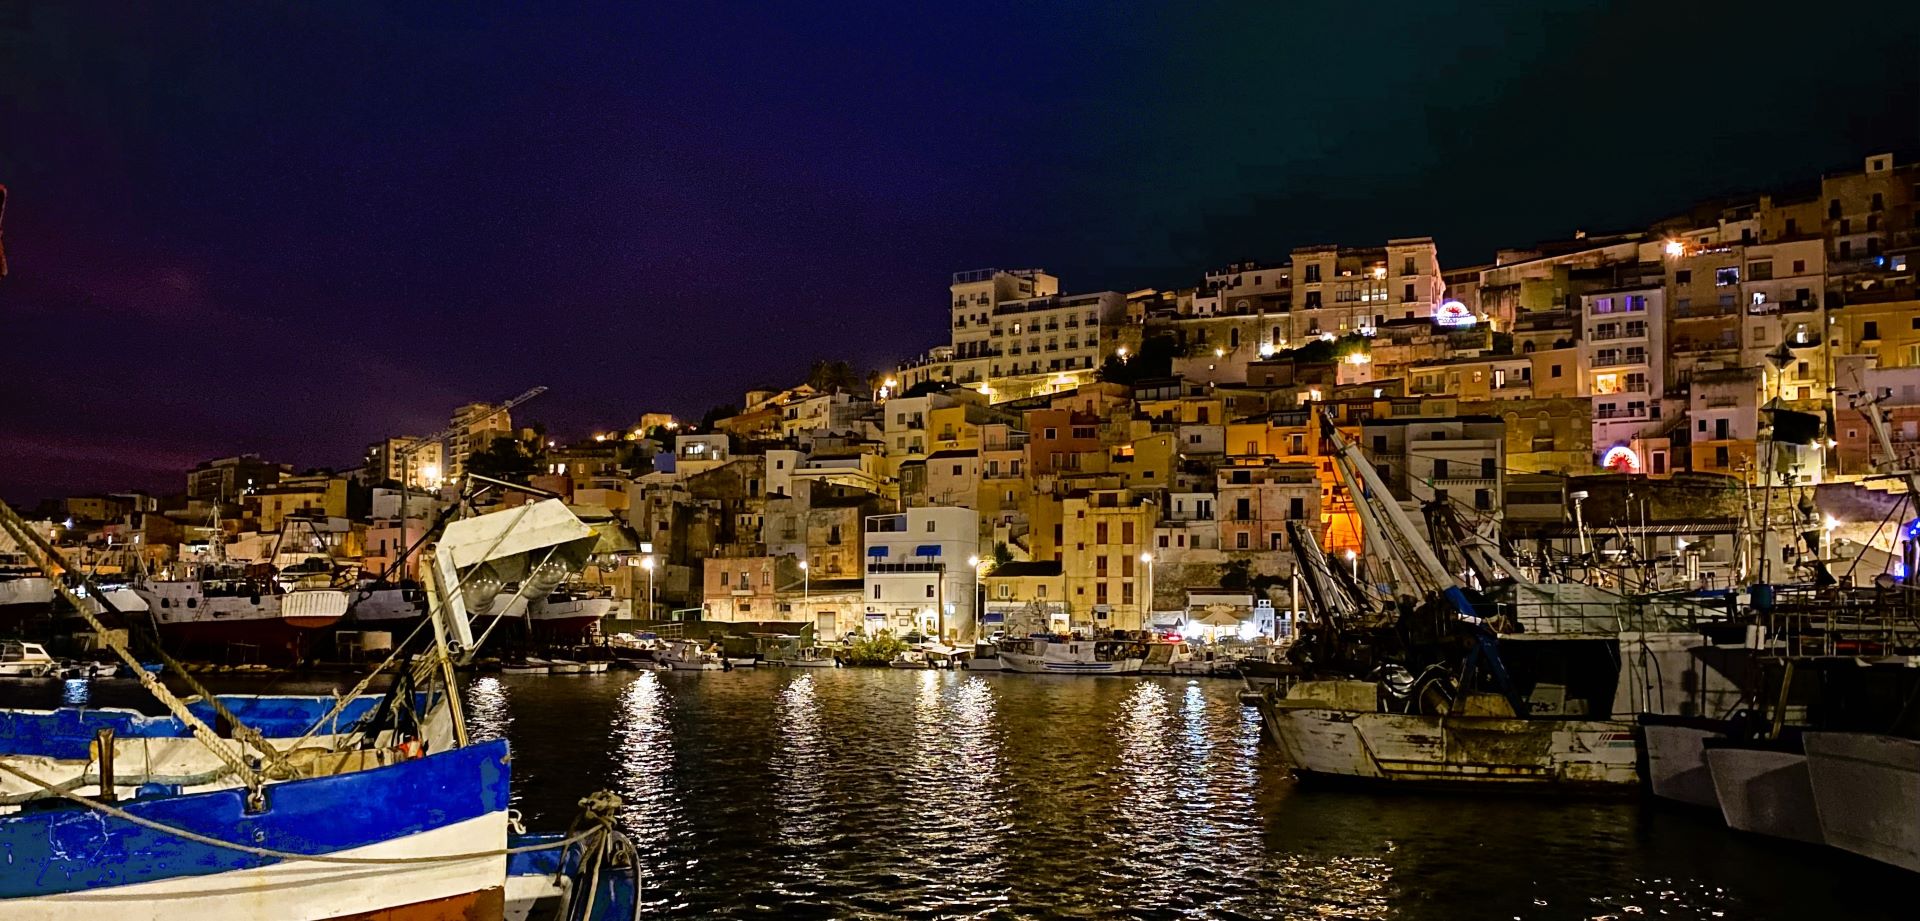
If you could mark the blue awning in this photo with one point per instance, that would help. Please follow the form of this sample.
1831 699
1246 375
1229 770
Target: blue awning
993 617
876 551
927 550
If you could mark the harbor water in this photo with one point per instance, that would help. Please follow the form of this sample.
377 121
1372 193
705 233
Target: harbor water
879 793
828 793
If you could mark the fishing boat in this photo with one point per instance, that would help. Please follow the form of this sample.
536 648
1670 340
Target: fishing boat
387 606
1866 790
26 660
1335 731
569 612
404 817
1052 655
25 591
1459 672
528 666
224 612
566 667
1764 787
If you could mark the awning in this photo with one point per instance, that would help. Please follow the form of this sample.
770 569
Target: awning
876 551
927 550
993 617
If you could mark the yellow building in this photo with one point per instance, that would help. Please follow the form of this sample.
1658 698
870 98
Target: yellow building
1025 597
1888 330
311 496
1104 532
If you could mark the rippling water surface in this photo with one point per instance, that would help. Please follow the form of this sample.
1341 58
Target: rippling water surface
823 793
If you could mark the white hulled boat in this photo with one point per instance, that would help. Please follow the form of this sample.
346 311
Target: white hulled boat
1058 656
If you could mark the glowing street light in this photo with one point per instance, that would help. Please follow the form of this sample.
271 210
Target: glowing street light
1353 560
806 590
646 563
1676 248
1146 597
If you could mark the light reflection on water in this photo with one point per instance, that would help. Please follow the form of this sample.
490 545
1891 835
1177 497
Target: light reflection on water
643 743
489 714
884 794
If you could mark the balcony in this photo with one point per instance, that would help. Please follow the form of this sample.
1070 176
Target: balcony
1609 335
1620 414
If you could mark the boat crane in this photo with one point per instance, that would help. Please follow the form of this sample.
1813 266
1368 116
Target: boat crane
1412 565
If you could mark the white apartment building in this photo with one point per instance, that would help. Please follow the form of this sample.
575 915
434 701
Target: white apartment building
1053 337
975 295
1623 349
922 572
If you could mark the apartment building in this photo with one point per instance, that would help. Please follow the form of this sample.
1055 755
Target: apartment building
921 572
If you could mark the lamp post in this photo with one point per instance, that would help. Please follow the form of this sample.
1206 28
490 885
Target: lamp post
646 563
1146 596
973 595
1353 559
806 591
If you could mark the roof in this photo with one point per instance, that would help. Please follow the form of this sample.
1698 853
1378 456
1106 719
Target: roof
1017 570
953 452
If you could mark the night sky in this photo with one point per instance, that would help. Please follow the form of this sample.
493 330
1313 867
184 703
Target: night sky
294 229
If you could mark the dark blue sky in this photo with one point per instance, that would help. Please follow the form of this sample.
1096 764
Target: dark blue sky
293 229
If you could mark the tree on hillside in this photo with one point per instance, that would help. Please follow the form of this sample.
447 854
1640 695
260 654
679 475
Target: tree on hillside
506 459
1155 359
829 375
717 413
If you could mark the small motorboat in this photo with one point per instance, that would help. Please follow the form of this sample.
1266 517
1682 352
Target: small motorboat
985 658
684 656
910 658
810 657
742 661
527 666
566 667
26 660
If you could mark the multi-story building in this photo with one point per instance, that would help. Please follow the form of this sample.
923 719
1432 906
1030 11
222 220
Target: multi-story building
1461 460
404 459
1048 344
1339 291
1257 497
921 568
1104 531
226 479
475 426
1723 421
1026 597
975 296
1624 351
749 588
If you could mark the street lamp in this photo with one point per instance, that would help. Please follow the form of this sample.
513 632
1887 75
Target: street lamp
806 590
1353 559
646 563
1146 600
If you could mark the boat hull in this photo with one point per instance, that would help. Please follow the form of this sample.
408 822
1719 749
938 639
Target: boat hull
1043 665
1765 791
1867 791
1677 760
1401 750
425 814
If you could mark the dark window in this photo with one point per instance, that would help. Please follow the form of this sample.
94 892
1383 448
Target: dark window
1439 470
1871 330
1719 457
1296 508
1683 276
1487 471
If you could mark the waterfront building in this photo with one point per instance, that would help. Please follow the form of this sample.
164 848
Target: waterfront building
921 572
1103 533
1026 597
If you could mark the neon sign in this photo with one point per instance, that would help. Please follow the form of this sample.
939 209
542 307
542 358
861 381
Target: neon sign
1453 314
1620 459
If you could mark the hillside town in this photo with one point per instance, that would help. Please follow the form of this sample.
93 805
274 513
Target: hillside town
1646 406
